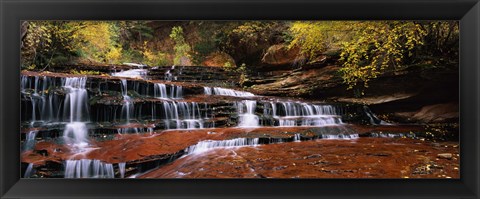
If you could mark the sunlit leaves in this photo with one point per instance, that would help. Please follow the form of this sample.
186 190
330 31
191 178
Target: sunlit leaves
367 48
315 37
377 47
153 58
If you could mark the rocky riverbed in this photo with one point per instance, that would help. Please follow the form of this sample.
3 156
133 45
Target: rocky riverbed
197 122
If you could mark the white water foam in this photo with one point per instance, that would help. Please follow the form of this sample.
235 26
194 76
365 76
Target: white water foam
133 73
207 145
86 168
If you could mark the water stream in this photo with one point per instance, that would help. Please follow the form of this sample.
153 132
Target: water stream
66 102
76 106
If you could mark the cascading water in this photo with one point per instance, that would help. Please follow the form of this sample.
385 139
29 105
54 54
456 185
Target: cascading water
121 168
45 104
373 118
134 130
227 92
76 107
212 144
175 110
246 113
29 171
182 115
176 92
86 168
297 137
340 136
301 114
133 73
29 143
169 76
76 133
127 107
207 90
160 91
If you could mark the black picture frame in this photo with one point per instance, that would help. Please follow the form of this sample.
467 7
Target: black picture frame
13 11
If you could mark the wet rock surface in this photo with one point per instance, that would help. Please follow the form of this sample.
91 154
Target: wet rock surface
138 150
197 122
358 158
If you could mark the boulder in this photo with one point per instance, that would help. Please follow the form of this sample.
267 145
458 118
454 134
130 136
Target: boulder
281 54
218 59
437 113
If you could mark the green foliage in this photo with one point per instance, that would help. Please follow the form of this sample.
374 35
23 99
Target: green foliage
134 31
44 40
49 43
315 37
181 48
98 41
441 43
243 73
152 58
229 67
212 37
377 47
367 49
247 40
202 49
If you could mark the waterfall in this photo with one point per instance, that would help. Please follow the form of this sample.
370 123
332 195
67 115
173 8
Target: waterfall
340 136
34 109
176 91
207 90
226 92
212 144
185 115
301 114
133 73
169 76
296 137
86 168
76 99
121 168
246 113
45 104
373 118
135 64
128 106
231 92
28 171
160 91
76 132
29 143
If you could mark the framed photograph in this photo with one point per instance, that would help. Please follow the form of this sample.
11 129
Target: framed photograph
243 99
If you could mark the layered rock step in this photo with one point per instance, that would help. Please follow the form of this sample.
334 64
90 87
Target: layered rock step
78 126
142 152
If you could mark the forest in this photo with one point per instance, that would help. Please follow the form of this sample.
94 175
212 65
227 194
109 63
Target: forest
240 99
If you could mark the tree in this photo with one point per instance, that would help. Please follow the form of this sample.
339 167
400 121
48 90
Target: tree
248 40
182 49
376 48
47 43
367 48
97 41
316 37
